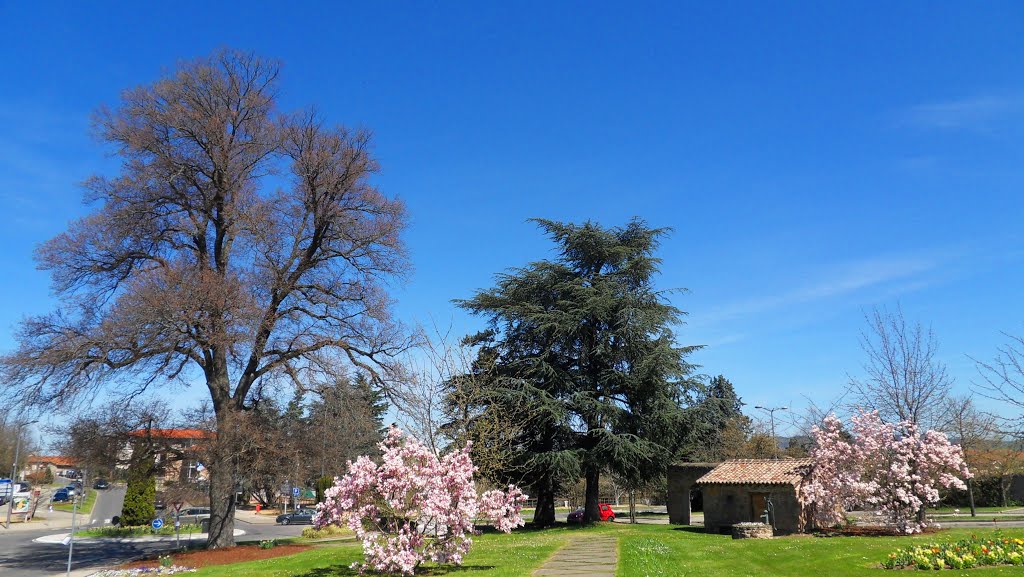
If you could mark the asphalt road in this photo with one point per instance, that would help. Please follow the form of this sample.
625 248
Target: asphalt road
20 557
108 504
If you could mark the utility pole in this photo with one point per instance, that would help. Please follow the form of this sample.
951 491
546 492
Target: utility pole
771 414
14 468
74 516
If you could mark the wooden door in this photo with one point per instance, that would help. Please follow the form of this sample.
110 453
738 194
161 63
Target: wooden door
758 503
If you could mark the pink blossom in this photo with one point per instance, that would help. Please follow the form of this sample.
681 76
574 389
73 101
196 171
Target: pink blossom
888 466
414 507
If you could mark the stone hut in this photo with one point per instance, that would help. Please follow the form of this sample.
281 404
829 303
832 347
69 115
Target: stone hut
682 479
743 489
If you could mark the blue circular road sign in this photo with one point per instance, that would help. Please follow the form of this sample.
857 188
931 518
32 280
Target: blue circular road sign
157 523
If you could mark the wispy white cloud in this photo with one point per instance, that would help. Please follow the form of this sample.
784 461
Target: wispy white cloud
981 113
903 272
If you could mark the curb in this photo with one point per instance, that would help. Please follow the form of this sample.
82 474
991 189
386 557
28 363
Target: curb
58 539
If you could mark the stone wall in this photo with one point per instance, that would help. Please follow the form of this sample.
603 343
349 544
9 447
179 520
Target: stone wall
752 531
725 505
682 477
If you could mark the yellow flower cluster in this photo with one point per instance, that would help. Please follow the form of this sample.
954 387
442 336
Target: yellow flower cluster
962 554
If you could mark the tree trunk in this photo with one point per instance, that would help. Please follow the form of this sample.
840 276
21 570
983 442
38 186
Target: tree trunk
222 506
591 503
544 514
1002 490
970 497
222 480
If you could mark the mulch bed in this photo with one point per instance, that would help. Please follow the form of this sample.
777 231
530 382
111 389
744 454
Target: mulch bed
868 531
205 558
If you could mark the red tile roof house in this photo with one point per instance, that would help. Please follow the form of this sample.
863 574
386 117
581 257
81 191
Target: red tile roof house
55 463
742 490
176 452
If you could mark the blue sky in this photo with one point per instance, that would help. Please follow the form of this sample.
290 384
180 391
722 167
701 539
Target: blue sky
814 159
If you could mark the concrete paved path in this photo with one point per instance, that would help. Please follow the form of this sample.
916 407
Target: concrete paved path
595 556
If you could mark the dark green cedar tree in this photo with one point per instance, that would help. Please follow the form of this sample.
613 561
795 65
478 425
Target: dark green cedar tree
584 344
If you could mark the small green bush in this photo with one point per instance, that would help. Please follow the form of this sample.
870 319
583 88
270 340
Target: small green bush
324 532
140 496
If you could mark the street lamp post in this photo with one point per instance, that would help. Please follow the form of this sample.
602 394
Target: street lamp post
771 415
14 468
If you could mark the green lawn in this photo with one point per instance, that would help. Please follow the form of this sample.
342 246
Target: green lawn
661 550
85 507
493 555
967 510
644 550
982 517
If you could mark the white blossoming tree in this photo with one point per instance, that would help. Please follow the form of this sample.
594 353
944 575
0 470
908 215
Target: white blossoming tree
892 467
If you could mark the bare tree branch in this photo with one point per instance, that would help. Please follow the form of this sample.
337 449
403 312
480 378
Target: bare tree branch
903 380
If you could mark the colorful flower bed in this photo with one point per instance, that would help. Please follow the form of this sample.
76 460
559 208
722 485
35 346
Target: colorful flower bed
964 554
144 571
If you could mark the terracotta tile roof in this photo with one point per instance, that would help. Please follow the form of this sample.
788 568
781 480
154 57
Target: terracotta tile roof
758 471
55 460
174 433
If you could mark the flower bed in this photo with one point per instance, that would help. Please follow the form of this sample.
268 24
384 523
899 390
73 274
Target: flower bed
141 571
964 554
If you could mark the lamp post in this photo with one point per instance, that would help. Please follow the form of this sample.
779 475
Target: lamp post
771 415
14 467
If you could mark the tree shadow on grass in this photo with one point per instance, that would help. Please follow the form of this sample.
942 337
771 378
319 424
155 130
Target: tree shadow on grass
344 570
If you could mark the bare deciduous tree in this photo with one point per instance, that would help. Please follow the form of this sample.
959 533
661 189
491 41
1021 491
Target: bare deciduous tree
445 398
1002 378
12 433
972 429
99 442
235 242
904 380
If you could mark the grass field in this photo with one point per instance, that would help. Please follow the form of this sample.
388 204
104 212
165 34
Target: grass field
644 550
85 507
685 551
967 510
493 555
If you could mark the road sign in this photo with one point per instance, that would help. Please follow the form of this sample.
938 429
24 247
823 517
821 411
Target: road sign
295 491
177 506
157 523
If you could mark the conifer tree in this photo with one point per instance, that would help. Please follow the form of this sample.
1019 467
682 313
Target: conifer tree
140 497
585 345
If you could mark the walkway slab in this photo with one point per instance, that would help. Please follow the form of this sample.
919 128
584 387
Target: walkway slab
594 555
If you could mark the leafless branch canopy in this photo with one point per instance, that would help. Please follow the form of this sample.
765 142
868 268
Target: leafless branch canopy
903 381
236 241
1002 378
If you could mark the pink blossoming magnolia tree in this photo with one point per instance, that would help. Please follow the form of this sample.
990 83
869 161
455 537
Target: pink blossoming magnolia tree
892 467
415 507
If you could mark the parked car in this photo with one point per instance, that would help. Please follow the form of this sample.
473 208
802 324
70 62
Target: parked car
61 496
159 504
191 515
604 509
303 516
101 484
